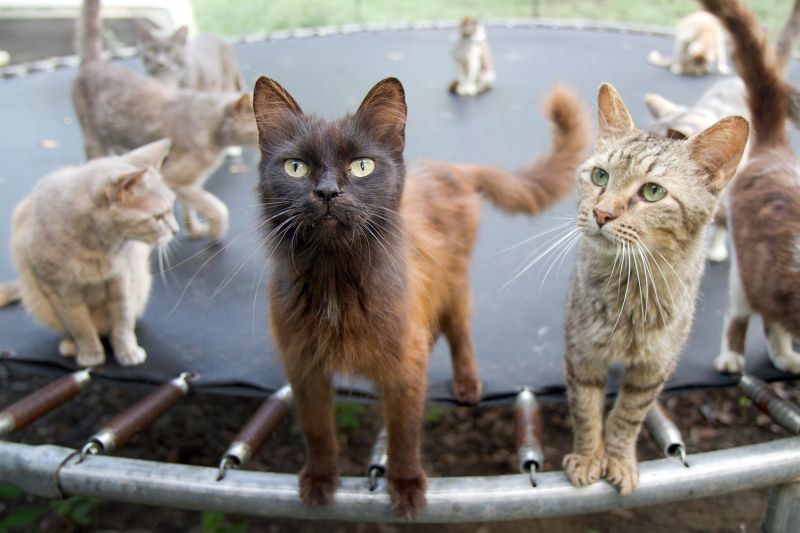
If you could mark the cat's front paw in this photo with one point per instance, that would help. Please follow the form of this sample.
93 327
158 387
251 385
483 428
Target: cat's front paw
729 362
467 389
130 355
198 230
317 489
90 357
623 473
408 495
67 347
787 362
218 226
585 469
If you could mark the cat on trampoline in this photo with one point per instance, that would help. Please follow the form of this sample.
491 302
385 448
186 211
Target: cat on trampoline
724 98
371 262
765 205
698 49
204 63
473 59
119 109
81 242
644 203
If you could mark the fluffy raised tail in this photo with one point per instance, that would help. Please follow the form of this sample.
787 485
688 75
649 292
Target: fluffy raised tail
549 177
768 95
90 29
10 293
655 58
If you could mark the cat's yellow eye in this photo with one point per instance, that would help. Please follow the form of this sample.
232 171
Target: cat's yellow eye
599 177
362 168
295 168
653 192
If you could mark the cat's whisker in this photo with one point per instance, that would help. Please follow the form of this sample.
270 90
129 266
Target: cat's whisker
639 285
677 277
663 277
565 248
231 276
532 237
256 292
614 264
561 239
625 296
649 271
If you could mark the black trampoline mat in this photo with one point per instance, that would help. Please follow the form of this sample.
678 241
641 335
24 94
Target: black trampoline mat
208 314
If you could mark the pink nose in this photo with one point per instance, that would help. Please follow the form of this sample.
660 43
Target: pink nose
602 216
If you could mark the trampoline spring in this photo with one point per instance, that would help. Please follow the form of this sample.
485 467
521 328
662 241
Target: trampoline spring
783 412
665 433
376 468
529 434
258 429
39 403
138 417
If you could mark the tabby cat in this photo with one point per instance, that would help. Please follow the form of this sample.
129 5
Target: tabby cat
119 109
765 205
644 203
371 262
473 59
81 242
699 47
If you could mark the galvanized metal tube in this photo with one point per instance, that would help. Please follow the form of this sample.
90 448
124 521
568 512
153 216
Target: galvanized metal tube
39 403
783 509
529 434
665 433
459 499
378 459
257 430
783 412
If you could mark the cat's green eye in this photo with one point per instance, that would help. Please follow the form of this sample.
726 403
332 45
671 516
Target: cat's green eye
653 192
295 168
599 177
363 167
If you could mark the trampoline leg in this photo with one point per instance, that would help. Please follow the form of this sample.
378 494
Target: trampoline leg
783 509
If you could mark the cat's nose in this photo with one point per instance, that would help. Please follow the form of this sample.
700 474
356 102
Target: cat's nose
327 190
602 216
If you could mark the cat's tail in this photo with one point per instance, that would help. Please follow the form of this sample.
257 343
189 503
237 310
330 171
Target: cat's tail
549 177
768 94
90 29
655 58
10 292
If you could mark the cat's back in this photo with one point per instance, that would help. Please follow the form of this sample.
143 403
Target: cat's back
212 65
726 97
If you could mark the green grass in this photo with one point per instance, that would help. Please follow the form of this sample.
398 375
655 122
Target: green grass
254 16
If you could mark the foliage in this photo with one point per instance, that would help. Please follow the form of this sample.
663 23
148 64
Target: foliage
349 415
214 522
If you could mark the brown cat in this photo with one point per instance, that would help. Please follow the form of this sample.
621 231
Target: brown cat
644 203
119 109
371 262
765 205
699 47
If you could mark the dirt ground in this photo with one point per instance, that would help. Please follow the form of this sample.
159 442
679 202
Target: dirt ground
458 441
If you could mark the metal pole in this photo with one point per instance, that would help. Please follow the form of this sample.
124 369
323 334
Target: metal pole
783 509
377 460
665 433
785 413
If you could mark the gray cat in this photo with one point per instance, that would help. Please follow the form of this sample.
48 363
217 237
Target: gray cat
119 109
81 242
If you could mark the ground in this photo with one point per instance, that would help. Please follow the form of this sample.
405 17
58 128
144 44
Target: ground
457 441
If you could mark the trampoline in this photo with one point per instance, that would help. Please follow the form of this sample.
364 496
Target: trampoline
208 313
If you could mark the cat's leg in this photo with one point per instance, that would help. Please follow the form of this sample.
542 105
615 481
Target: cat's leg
734 329
640 387
678 52
456 326
722 56
233 151
76 323
779 346
122 312
314 399
67 347
586 390
195 228
717 247
92 143
210 207
473 67
404 405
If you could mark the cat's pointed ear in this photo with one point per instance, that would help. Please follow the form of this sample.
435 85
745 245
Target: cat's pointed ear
150 155
273 105
613 117
123 187
718 150
243 105
383 112
660 106
180 36
143 32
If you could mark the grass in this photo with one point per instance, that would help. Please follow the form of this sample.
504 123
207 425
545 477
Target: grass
254 16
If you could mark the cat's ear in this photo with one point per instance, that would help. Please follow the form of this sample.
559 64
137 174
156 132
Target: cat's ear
613 117
383 113
660 106
272 105
718 150
180 35
123 187
143 31
242 106
150 155
676 135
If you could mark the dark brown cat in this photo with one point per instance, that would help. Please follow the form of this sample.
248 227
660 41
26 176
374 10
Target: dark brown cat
764 204
371 263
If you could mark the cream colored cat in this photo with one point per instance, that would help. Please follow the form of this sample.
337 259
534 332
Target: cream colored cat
473 60
699 47
81 242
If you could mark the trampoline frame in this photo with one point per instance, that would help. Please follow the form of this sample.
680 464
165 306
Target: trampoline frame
55 472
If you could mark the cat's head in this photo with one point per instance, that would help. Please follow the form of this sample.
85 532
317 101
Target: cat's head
637 188
335 181
131 199
470 27
163 55
676 121
238 125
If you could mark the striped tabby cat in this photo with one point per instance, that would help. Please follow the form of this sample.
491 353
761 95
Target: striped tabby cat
644 202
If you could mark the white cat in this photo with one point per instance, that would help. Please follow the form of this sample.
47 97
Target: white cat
473 60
